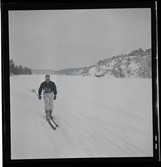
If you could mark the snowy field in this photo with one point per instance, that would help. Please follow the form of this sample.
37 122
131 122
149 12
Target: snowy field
97 117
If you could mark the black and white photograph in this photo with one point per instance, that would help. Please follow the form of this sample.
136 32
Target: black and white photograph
80 83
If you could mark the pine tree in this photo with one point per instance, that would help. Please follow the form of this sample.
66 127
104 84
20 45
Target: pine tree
20 69
12 67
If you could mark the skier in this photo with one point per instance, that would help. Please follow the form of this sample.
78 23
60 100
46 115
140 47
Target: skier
49 90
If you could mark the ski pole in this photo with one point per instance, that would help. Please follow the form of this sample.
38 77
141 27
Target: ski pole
34 91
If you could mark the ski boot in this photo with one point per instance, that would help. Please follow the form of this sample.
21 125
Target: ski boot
47 115
50 113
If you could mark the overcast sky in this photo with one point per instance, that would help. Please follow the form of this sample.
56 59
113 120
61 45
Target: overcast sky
59 39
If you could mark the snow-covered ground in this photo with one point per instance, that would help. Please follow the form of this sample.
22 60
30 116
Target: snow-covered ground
97 117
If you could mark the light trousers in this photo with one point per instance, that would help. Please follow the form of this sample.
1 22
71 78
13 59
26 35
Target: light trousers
48 100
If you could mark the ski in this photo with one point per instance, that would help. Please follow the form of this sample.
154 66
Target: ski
54 122
53 127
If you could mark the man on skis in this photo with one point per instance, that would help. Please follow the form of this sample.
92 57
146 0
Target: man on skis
49 90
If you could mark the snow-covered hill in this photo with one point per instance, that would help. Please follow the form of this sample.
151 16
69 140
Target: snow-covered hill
136 64
97 117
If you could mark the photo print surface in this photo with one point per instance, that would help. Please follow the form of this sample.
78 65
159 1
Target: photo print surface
101 63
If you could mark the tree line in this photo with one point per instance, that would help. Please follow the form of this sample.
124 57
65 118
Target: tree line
18 70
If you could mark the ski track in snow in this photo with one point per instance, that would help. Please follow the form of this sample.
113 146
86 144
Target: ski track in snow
87 128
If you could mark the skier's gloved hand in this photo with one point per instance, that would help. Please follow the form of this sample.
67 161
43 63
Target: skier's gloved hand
54 97
39 97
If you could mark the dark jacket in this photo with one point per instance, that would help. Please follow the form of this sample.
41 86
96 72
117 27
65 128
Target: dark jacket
47 87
